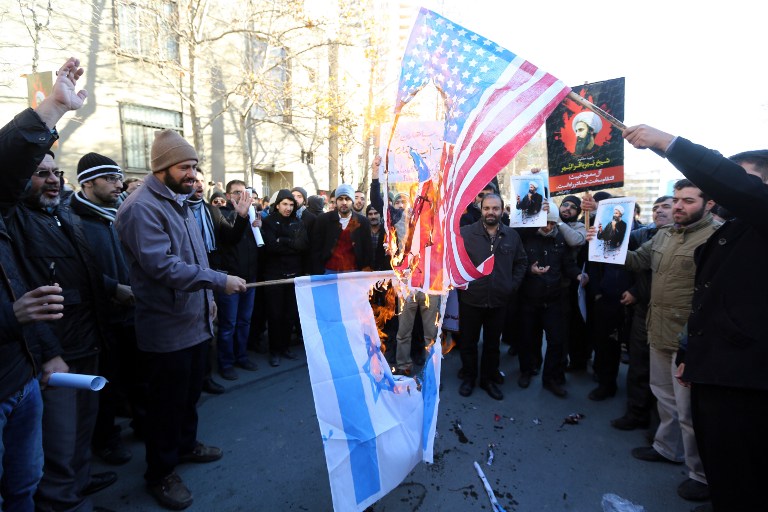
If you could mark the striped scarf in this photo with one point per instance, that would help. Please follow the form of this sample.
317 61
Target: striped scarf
204 220
102 211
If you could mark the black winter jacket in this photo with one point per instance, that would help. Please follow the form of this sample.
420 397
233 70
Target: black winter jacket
286 243
236 251
727 339
510 262
549 251
108 254
23 143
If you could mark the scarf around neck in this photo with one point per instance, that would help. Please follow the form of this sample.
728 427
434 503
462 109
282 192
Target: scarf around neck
102 211
204 220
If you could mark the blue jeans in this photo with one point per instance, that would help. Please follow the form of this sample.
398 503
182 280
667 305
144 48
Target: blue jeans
234 314
21 449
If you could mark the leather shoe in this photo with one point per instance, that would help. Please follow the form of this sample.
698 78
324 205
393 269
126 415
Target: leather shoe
201 454
247 364
601 392
466 388
492 389
707 507
525 380
115 456
555 389
99 482
228 373
649 453
693 490
171 493
288 354
274 360
402 371
213 387
628 423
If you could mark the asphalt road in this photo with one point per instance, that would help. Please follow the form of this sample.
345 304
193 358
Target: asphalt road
273 454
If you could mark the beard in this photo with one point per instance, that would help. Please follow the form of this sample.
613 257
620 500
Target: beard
695 216
583 145
490 220
48 202
617 218
183 186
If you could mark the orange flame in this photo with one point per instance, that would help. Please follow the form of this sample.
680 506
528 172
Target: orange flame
383 306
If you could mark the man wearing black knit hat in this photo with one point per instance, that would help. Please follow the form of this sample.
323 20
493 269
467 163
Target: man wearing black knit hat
101 181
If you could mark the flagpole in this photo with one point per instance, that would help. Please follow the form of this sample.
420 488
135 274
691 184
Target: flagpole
597 110
379 274
268 283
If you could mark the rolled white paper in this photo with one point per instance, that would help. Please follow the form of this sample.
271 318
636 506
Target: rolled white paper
77 380
252 213
257 235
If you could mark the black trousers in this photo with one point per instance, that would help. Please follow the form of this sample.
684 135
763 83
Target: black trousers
472 319
578 342
175 382
730 426
537 317
282 316
609 317
640 399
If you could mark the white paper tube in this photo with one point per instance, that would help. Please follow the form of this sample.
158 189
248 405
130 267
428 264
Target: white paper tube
77 380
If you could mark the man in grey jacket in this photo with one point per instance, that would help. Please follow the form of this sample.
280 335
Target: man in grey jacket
172 285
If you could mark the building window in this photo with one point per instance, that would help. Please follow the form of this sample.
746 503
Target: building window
270 67
138 125
144 29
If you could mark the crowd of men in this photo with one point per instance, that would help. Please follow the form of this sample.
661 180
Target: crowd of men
146 282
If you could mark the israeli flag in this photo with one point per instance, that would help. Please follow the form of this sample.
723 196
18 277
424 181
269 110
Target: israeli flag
375 427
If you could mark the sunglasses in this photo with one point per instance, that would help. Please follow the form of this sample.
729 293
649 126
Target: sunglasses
45 173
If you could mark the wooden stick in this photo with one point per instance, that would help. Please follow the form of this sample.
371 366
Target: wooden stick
269 283
380 274
597 110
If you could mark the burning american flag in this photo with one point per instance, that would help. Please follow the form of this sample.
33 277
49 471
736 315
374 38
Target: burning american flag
494 100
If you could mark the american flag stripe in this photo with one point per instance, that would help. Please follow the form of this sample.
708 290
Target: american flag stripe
495 101
499 128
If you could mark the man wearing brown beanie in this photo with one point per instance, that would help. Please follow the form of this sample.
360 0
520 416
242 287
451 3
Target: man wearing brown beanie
172 285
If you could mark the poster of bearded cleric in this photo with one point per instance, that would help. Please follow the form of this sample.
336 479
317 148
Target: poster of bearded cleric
584 151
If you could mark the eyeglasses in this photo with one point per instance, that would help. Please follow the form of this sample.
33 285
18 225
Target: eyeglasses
45 173
112 178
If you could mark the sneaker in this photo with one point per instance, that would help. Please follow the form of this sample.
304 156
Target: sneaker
247 364
693 490
228 373
171 493
201 454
